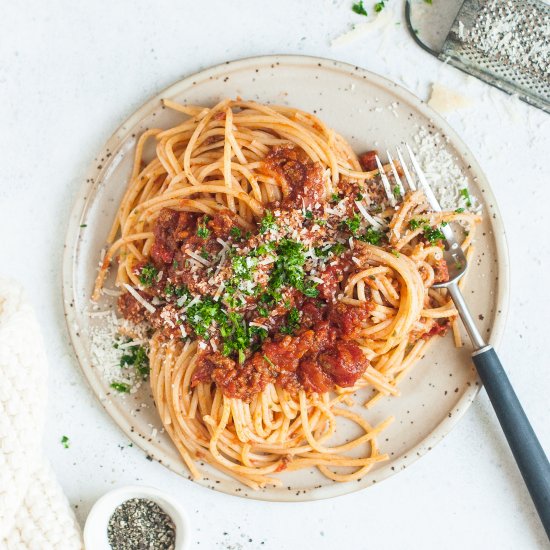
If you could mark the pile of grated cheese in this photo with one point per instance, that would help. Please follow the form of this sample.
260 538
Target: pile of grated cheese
443 172
105 356
512 35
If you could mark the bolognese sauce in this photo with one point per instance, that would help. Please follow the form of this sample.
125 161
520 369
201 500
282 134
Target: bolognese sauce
264 302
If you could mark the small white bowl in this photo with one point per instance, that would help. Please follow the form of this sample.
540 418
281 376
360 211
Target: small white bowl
95 530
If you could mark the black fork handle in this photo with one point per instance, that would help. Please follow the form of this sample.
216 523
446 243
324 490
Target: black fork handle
528 452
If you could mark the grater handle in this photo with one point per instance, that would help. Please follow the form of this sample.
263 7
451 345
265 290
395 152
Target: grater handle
414 33
528 452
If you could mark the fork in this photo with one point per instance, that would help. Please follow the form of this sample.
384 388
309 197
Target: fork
528 452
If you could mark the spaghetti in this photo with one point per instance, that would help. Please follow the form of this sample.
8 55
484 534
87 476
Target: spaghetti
277 280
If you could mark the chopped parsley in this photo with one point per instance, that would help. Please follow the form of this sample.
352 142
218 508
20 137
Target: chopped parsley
396 191
433 234
415 224
324 251
236 232
292 323
464 193
358 8
259 332
289 269
237 336
202 231
352 224
395 253
308 214
204 253
243 270
234 331
65 442
171 290
311 291
268 222
459 210
120 387
202 314
336 197
371 236
148 275
378 7
136 356
263 311
84 225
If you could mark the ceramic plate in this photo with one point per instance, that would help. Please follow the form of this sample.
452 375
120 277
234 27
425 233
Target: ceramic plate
370 112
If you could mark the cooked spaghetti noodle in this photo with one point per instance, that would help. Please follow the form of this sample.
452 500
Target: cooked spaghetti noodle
277 280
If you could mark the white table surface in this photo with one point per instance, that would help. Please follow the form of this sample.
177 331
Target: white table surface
70 72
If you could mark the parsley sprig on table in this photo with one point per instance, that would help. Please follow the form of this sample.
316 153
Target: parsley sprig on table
359 8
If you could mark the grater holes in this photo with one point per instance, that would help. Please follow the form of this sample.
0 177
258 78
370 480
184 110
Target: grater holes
505 41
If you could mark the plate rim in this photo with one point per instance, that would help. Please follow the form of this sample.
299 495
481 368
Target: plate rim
92 180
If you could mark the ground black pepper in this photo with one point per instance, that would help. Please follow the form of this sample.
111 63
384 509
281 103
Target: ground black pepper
141 524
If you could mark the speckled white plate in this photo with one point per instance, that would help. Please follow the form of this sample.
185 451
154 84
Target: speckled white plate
369 111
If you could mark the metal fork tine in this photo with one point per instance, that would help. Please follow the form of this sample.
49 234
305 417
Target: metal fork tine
408 177
385 181
396 175
434 203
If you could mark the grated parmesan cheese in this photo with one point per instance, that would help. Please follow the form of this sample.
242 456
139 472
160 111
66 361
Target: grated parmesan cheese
443 172
198 258
139 298
367 216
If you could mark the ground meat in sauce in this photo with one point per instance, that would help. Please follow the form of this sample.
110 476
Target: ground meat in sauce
301 178
321 354
176 232
339 365
234 380
439 328
222 224
441 271
171 229
318 358
130 308
332 277
349 319
367 160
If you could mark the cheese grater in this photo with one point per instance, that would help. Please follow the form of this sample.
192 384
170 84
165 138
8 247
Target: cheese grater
505 43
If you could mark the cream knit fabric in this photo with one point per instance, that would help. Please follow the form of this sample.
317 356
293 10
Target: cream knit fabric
34 513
